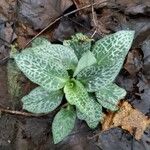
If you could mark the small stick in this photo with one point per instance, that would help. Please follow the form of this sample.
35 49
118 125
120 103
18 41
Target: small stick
13 112
93 14
65 15
95 31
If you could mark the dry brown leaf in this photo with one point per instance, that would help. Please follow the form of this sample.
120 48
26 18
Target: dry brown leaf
133 62
39 13
127 118
82 3
7 9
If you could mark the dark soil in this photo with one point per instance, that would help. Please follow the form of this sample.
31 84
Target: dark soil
21 20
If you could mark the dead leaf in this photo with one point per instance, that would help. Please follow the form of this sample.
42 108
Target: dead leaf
134 62
7 9
82 3
64 30
131 7
142 103
146 52
40 12
24 34
9 33
127 118
98 25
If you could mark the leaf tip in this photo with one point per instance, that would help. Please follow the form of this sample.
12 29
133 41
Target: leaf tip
128 33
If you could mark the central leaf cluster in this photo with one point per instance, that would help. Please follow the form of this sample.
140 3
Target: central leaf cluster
83 71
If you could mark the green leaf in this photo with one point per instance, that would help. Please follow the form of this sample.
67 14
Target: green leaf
79 43
41 101
110 95
95 115
110 53
86 60
61 53
95 77
63 124
50 75
40 41
77 95
113 47
55 52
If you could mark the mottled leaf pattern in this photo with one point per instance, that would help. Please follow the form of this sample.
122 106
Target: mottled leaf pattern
54 52
50 75
96 77
60 53
95 115
47 64
40 41
110 53
77 95
113 47
79 43
110 95
86 60
41 101
63 124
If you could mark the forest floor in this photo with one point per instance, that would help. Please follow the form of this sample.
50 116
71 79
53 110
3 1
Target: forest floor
21 21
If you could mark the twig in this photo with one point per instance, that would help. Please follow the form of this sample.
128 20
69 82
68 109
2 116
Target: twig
93 14
94 20
13 112
65 15
95 31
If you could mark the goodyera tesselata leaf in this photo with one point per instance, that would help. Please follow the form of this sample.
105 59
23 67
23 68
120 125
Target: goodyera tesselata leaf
63 124
86 60
95 115
77 95
113 47
50 75
110 95
41 101
110 53
62 54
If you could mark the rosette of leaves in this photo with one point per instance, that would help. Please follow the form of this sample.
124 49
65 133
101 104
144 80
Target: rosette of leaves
82 71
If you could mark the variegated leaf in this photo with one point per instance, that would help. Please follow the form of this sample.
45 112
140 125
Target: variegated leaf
61 53
50 75
95 115
110 60
54 52
113 47
41 101
110 95
95 77
79 43
86 60
77 95
63 124
40 41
